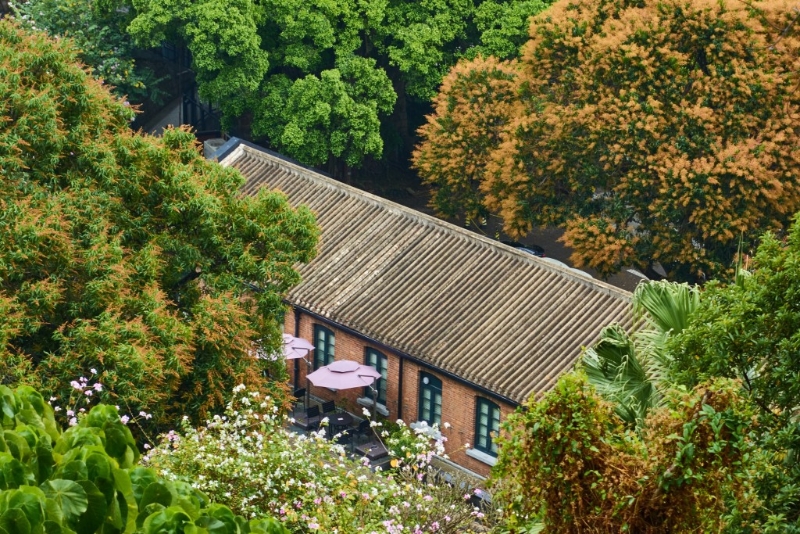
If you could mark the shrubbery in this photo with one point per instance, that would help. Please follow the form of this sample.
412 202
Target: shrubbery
86 479
247 459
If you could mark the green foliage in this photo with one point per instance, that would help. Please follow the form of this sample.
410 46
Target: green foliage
84 480
568 460
750 330
632 371
101 39
319 76
504 26
126 253
335 114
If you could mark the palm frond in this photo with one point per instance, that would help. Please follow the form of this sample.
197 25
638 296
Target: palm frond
632 370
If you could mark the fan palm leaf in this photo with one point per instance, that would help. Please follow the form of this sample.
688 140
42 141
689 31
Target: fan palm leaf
631 370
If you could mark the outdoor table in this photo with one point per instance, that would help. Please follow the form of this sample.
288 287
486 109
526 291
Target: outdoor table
340 420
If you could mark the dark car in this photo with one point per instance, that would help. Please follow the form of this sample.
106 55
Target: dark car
536 250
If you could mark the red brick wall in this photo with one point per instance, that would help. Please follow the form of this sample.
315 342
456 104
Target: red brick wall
458 400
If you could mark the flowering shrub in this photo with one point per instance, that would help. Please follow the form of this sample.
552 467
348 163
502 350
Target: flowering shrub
247 460
85 479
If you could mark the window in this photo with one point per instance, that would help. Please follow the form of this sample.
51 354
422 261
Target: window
430 399
324 346
378 361
487 422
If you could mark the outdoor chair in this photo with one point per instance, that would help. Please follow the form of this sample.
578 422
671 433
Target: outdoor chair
328 407
299 398
362 430
310 420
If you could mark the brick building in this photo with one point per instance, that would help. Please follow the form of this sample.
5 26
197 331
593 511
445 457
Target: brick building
463 328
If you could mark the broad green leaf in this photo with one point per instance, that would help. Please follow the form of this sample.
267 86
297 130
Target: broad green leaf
69 495
14 521
126 498
96 510
157 492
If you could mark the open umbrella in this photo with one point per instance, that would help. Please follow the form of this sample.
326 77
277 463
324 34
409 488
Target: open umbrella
344 374
296 347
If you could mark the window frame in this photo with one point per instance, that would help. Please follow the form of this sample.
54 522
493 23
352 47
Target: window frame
436 391
382 365
493 418
325 352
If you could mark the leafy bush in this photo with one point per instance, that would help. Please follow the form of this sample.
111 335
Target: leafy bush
247 459
569 460
748 330
85 479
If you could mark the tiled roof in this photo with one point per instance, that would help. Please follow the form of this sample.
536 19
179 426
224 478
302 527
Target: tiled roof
494 316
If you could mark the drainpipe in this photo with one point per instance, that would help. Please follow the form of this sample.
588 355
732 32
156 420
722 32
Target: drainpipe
400 390
297 314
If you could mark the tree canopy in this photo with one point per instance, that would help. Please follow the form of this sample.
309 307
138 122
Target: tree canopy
321 77
750 330
651 131
99 32
129 254
728 352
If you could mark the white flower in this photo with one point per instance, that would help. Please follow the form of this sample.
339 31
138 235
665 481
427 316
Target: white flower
366 412
446 424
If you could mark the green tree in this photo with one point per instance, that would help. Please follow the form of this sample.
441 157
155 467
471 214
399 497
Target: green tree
633 371
750 330
127 253
320 77
651 131
99 32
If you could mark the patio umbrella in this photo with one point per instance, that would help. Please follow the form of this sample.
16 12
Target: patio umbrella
346 374
295 347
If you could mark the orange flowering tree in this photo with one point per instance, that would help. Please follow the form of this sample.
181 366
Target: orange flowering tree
651 131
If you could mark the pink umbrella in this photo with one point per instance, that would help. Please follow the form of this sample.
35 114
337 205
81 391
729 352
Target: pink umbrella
295 347
344 374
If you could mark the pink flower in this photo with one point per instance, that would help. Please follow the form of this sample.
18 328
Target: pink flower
124 419
98 387
70 413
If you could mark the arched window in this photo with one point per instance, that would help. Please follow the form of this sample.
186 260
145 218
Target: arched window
324 346
487 424
430 399
379 361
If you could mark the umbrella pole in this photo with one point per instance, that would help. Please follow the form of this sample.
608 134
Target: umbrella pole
308 384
